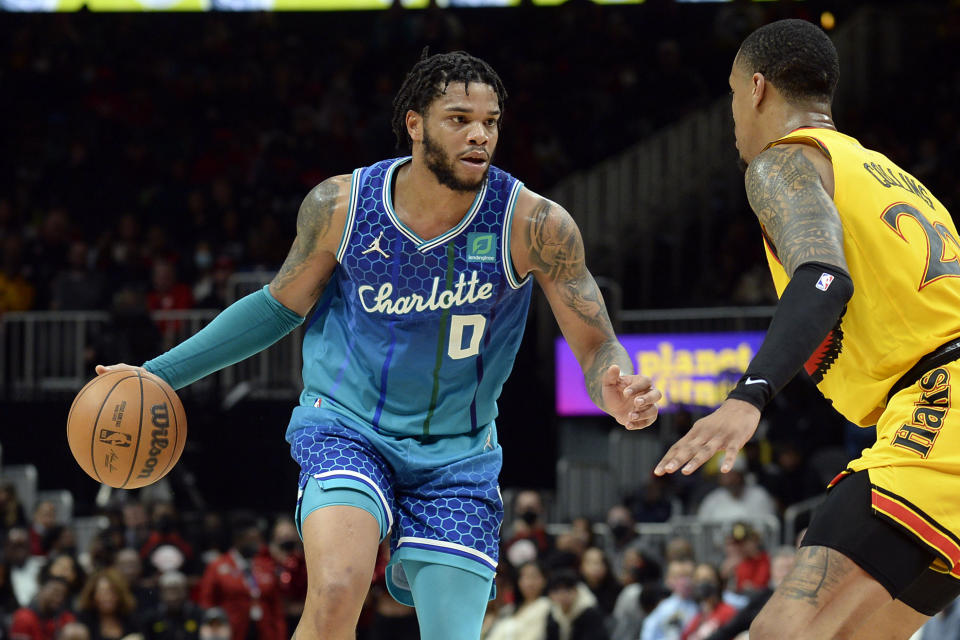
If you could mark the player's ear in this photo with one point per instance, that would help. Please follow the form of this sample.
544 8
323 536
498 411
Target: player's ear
759 89
414 126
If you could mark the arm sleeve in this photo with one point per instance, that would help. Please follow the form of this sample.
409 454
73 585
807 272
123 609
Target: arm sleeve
246 327
811 304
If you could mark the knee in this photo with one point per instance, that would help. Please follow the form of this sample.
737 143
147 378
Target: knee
339 592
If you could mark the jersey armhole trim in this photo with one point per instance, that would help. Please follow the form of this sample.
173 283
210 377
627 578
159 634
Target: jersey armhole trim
512 279
351 215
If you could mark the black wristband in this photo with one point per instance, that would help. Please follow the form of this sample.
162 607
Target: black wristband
811 306
753 390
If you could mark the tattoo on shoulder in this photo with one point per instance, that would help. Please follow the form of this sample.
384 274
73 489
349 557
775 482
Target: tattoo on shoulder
556 250
313 222
785 191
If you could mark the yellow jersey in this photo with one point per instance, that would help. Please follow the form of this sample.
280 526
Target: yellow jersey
903 254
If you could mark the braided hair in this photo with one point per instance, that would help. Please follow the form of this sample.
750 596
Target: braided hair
430 78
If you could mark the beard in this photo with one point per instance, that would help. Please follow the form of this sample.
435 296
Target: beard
442 167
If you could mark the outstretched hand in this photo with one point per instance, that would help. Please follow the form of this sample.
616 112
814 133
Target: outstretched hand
631 399
728 428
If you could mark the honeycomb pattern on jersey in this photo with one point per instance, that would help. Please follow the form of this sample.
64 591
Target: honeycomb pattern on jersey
458 503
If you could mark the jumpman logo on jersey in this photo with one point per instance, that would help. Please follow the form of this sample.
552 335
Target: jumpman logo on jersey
375 246
489 442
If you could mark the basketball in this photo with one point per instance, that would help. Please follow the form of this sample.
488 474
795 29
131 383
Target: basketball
126 428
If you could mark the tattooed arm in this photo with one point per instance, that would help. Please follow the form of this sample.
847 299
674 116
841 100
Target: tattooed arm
547 243
312 257
786 189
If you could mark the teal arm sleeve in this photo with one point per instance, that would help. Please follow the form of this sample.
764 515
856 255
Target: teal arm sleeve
246 327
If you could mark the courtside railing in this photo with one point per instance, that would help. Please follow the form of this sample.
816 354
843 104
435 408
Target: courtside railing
47 354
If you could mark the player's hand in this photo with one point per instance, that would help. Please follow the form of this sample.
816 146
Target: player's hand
630 399
727 428
120 366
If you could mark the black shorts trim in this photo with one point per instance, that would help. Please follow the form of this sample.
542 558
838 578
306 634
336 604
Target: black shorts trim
847 522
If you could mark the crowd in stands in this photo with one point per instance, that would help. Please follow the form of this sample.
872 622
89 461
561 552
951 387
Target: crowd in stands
155 572
148 178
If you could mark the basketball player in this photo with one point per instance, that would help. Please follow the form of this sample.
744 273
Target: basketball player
415 273
865 260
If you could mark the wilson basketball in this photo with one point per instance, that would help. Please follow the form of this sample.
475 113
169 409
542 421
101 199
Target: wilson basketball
126 428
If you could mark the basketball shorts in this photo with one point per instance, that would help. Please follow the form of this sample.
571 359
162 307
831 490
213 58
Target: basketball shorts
439 501
910 480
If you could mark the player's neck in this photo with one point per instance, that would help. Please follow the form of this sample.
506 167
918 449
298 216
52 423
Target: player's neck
815 117
418 197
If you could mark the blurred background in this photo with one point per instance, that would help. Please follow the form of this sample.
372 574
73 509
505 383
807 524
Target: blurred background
153 165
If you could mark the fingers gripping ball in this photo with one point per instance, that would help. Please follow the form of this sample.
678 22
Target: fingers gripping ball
126 428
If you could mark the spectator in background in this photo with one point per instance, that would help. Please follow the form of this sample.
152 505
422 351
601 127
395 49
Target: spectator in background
671 616
243 582
574 614
216 625
17 293
44 517
106 606
634 604
165 548
168 294
781 564
136 527
175 617
45 615
714 612
596 574
66 567
24 567
128 564
734 499
531 606
213 539
622 534
210 290
789 480
11 511
131 336
528 522
746 562
653 502
287 551
78 286
73 631
8 601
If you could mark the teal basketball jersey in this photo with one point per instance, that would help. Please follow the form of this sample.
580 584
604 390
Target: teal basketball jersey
414 336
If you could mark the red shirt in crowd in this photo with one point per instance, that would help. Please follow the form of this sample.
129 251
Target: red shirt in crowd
752 573
248 591
702 626
28 625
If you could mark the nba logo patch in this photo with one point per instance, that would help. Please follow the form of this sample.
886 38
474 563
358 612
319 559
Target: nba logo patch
824 282
317 403
481 247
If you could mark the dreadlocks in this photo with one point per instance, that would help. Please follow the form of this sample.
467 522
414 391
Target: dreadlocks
430 78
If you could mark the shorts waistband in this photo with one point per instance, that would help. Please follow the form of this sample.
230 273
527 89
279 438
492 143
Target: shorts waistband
938 357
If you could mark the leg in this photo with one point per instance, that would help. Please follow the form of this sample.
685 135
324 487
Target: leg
340 544
893 621
450 602
825 596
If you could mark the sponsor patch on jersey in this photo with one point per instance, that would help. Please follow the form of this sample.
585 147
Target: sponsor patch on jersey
824 282
481 247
